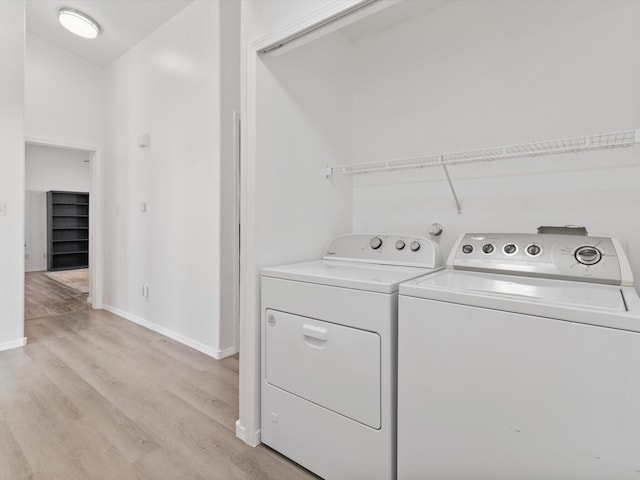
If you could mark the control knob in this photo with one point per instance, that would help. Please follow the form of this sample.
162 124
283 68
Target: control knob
588 255
414 246
375 243
534 249
468 248
510 248
488 248
400 244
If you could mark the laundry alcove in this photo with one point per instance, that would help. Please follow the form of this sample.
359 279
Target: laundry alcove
413 78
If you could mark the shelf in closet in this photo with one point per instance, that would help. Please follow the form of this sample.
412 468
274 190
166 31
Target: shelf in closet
549 147
68 226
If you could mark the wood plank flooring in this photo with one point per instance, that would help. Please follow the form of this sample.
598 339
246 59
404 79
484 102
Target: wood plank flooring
93 396
44 296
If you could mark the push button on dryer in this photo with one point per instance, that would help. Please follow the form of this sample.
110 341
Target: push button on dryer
375 243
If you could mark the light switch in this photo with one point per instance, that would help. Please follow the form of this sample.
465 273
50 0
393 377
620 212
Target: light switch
143 207
3 209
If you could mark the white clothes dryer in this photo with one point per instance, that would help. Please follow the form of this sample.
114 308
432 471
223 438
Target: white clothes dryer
329 358
521 360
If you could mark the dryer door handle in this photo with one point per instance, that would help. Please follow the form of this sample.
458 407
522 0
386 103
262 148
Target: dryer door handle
315 333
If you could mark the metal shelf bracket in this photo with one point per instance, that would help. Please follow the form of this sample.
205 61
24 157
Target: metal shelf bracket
451 187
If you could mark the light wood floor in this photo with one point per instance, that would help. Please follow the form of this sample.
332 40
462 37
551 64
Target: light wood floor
44 296
93 396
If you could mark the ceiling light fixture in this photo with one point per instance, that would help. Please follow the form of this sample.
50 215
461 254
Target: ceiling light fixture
78 23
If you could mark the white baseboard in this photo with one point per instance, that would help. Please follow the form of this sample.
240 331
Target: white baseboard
241 433
178 337
227 352
21 342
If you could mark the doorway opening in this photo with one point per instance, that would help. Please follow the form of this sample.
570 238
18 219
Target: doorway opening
62 215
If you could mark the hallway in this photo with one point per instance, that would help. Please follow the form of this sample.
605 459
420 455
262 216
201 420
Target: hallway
44 296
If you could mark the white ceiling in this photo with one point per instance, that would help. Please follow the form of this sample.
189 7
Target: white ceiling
124 23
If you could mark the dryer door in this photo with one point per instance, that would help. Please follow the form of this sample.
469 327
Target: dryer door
331 365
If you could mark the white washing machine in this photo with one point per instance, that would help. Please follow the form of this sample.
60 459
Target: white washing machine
329 359
521 360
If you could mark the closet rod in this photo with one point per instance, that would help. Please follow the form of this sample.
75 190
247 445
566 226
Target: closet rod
317 26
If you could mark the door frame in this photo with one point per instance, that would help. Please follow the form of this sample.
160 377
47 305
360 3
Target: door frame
96 253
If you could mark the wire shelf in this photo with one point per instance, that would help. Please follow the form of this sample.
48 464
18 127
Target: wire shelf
550 147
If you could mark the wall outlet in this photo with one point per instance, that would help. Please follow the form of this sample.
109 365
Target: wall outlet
145 291
3 209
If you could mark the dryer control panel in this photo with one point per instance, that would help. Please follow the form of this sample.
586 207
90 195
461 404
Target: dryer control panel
567 257
407 250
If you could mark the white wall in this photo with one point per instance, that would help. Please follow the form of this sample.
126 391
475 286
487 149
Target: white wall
297 119
64 96
482 74
169 85
304 123
12 177
48 169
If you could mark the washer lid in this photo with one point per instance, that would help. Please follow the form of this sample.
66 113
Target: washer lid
525 289
359 276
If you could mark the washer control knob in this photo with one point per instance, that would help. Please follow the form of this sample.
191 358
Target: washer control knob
468 248
588 255
414 246
488 248
510 248
400 244
375 243
534 249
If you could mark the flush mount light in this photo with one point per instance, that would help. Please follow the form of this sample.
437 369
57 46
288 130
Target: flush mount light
78 23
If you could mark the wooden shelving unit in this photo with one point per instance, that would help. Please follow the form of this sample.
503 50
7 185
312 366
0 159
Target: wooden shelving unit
67 230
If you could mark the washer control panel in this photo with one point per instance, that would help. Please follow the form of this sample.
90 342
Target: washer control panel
569 257
409 250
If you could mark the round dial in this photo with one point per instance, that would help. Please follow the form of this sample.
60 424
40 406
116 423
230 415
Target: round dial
400 244
467 248
510 248
534 249
588 255
488 248
414 246
375 243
